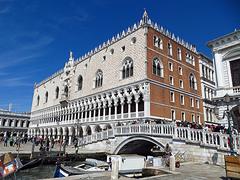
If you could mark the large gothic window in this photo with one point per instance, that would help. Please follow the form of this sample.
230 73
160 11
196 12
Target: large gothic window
192 81
157 67
80 82
170 49
66 91
99 79
57 92
46 97
38 100
127 68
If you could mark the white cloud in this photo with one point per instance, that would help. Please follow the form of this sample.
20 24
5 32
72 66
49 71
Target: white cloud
15 82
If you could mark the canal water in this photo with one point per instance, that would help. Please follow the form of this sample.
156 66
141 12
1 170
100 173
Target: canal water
40 172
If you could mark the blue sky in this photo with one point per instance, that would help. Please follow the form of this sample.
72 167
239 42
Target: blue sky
37 35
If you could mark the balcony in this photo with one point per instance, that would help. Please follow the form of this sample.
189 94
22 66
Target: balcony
232 91
64 100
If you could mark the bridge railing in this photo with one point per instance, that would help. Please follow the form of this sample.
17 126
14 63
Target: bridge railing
189 135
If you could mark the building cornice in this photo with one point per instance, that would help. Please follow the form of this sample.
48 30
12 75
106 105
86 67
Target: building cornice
222 41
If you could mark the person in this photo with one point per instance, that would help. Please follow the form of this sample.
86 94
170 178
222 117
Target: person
168 150
110 163
47 144
5 141
52 143
75 142
18 142
168 153
64 144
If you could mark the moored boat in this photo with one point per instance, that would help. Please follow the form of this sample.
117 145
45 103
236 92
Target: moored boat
88 166
31 164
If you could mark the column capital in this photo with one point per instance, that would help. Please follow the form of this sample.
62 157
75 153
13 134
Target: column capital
129 99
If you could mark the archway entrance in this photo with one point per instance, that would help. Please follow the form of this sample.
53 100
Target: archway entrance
138 145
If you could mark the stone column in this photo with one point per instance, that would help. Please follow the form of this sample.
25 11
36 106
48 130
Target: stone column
94 111
109 100
218 69
136 102
70 135
129 100
82 110
89 113
146 98
99 109
104 109
122 105
109 110
115 107
58 133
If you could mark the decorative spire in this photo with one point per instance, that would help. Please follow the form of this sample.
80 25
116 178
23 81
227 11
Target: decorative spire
71 56
145 17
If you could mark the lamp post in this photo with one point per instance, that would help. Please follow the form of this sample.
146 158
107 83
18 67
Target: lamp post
227 112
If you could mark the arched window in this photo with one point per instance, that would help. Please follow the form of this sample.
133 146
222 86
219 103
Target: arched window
169 49
46 97
38 100
99 79
192 81
66 91
157 67
57 92
79 83
127 68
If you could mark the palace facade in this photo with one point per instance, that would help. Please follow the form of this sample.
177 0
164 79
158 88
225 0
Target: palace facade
144 73
13 124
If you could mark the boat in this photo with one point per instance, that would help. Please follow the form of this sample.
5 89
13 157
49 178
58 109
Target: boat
31 164
8 165
85 167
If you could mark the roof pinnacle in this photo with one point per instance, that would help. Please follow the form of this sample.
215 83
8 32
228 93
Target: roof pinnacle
71 56
145 17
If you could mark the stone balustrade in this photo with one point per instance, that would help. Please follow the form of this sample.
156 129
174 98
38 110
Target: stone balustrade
200 137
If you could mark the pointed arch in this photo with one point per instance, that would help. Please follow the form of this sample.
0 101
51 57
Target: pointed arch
57 92
66 91
38 100
80 82
192 81
46 97
157 67
99 78
127 68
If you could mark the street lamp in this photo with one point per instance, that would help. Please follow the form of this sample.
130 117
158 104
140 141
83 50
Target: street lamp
226 99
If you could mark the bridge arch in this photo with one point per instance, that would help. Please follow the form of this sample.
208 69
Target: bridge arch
138 145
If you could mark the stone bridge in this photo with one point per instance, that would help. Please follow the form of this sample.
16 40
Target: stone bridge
195 144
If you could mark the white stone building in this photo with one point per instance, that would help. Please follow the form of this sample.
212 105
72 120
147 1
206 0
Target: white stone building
207 74
109 85
13 124
226 51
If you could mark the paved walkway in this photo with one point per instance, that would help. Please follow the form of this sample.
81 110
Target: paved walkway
27 148
195 171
